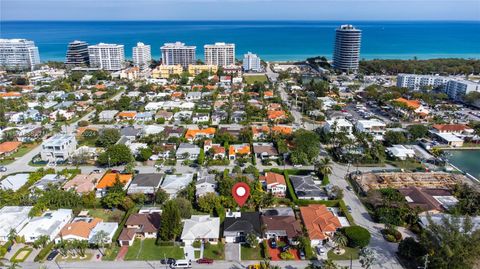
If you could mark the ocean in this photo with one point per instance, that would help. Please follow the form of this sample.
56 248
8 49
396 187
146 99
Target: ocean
271 40
466 160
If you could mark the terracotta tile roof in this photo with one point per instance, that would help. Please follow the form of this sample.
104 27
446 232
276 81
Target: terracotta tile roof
450 127
275 114
218 149
319 220
268 93
81 130
109 179
409 103
176 94
10 94
274 106
239 149
282 129
9 146
191 133
127 114
99 93
83 183
273 178
100 86
80 228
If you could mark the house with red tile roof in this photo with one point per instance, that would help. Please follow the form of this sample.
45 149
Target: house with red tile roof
276 115
126 115
320 223
78 229
9 147
109 179
218 151
452 128
274 183
194 134
238 150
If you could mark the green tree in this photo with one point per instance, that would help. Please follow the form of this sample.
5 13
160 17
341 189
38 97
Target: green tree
161 196
115 155
201 157
357 236
324 167
171 225
124 103
417 131
252 240
108 137
307 147
144 154
41 241
340 240
393 138
100 239
184 206
367 257
208 202
410 249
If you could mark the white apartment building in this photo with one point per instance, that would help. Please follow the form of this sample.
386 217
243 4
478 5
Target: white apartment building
338 125
220 53
417 82
18 54
251 62
58 148
142 54
178 53
49 224
457 89
109 57
374 127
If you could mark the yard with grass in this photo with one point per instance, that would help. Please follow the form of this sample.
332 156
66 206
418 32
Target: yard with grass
407 164
107 215
215 252
349 253
248 253
251 79
69 258
146 250
110 253
21 255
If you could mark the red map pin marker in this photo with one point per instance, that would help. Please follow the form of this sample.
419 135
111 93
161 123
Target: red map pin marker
240 192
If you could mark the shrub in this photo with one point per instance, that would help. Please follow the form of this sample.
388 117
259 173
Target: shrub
390 238
287 256
410 249
392 235
266 254
83 123
196 244
44 252
357 236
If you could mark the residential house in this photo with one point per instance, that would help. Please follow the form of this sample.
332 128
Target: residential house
127 115
83 183
265 151
205 183
140 225
238 116
428 200
172 184
151 130
78 229
200 227
237 225
216 149
144 116
8 148
13 218
130 132
241 150
187 151
182 116
274 183
58 148
306 189
173 131
14 182
200 117
163 114
281 227
109 179
338 125
49 224
219 116
374 127
276 115
107 115
194 134
400 152
321 223
48 180
414 106
107 228
456 129
193 96
147 184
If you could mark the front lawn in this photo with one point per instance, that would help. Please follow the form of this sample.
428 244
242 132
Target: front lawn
251 79
216 252
349 253
21 255
248 253
69 258
146 250
107 215
111 253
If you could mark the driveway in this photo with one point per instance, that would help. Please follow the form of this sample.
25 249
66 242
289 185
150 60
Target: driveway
232 252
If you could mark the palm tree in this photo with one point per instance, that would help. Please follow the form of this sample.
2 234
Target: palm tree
99 240
324 167
340 240
367 257
12 235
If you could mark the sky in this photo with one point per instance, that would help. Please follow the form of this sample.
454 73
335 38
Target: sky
240 10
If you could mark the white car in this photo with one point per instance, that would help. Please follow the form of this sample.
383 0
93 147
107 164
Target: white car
321 250
297 165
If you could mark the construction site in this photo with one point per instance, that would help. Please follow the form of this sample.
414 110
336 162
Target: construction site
396 180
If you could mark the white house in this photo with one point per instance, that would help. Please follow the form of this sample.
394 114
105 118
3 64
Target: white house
172 184
201 227
13 218
49 224
14 182
401 152
58 148
274 183
206 183
338 125
109 228
190 151
374 127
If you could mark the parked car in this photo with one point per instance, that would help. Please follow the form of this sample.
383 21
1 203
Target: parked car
349 209
297 166
52 255
204 261
167 261
301 254
273 243
285 248
321 250
349 188
3 169
97 171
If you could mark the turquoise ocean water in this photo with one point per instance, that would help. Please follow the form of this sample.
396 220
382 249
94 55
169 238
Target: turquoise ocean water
272 40
466 160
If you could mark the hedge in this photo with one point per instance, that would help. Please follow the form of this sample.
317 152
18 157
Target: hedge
44 252
343 207
357 236
266 253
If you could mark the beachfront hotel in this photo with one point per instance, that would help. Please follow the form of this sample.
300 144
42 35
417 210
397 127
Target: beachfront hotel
220 53
110 57
251 62
347 48
178 53
77 54
142 55
18 54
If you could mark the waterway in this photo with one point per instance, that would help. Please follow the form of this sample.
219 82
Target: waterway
466 160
